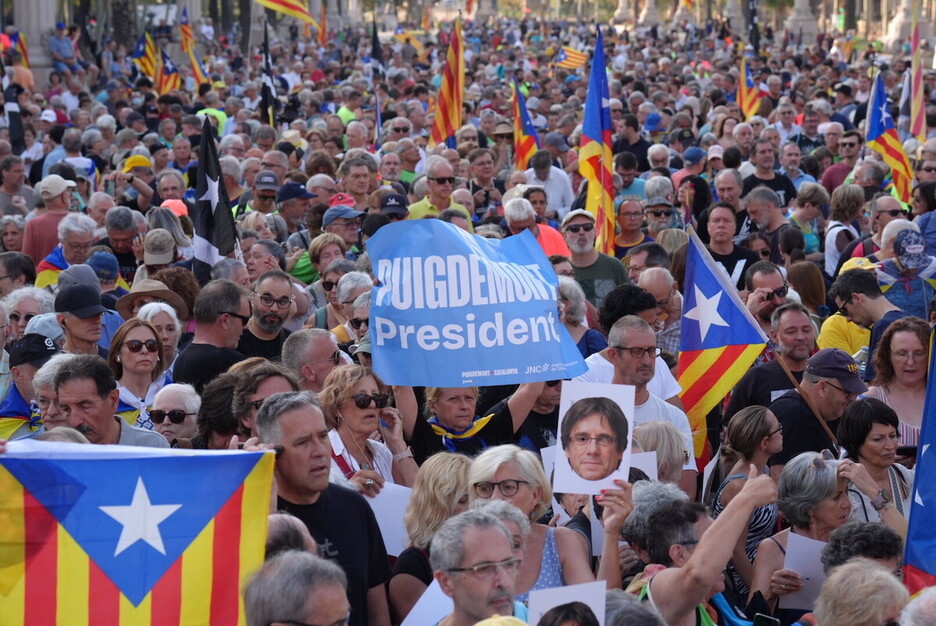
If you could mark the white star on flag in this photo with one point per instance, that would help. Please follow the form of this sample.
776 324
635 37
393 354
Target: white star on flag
211 194
140 520
705 312
884 113
917 498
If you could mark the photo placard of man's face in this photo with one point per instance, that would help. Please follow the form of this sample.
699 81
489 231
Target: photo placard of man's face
595 430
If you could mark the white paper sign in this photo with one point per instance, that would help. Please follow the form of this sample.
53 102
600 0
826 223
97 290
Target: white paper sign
646 462
389 506
432 606
600 411
591 595
803 557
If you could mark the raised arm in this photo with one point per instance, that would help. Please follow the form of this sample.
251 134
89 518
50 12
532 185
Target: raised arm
521 402
406 404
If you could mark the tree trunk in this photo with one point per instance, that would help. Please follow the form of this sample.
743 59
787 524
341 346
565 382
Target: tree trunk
124 23
245 25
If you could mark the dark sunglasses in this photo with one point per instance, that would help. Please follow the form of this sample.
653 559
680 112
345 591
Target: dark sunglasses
660 213
764 253
401 130
135 345
442 180
328 285
891 212
334 358
15 317
242 318
176 416
928 170
266 198
363 400
574 228
357 322
779 293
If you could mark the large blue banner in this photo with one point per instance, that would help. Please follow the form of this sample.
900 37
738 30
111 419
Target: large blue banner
453 309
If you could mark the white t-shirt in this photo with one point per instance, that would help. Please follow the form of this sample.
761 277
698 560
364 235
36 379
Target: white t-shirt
383 458
655 409
600 370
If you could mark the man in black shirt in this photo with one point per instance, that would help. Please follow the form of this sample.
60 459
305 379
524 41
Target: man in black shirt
340 521
630 141
121 230
764 174
794 336
830 384
222 310
734 260
272 303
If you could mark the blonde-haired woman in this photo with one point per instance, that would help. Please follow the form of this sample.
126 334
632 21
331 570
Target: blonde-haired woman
847 202
669 445
440 491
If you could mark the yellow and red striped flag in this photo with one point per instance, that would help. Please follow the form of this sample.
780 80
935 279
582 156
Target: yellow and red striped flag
103 535
570 58
146 56
720 341
185 30
526 139
917 97
882 138
169 77
426 17
323 26
19 44
448 114
748 92
595 152
292 8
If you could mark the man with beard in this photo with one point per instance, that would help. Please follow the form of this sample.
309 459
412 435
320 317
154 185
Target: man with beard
272 303
794 336
767 292
596 272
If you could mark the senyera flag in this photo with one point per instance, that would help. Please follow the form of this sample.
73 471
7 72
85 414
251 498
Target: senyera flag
920 555
526 139
448 115
720 341
103 535
748 93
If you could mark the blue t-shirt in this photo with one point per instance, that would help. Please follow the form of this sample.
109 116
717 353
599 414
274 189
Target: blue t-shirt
877 331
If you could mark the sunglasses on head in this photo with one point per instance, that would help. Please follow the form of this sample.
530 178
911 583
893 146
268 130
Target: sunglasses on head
363 400
176 416
574 228
357 322
135 345
328 285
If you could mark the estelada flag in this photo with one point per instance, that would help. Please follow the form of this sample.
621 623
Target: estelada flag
920 556
526 139
105 535
570 58
881 136
720 341
595 152
748 93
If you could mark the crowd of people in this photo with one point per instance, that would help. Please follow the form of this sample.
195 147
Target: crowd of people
110 338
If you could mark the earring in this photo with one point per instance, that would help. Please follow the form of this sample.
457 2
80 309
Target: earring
118 359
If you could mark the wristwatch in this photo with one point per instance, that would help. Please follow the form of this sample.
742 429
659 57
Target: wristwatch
881 500
399 456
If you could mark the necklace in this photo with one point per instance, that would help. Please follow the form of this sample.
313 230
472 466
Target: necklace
364 464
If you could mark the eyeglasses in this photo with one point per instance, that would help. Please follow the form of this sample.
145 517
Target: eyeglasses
891 212
328 285
553 383
928 170
574 228
265 165
176 416
660 213
135 345
778 293
844 308
848 394
268 300
401 129
848 144
334 358
357 322
363 400
489 570
774 432
243 318
78 246
903 355
342 622
507 487
603 441
639 353
443 180
16 317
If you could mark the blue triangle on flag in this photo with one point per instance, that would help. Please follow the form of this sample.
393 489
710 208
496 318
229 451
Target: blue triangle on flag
712 318
74 491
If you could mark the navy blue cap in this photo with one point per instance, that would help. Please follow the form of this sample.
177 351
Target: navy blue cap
293 190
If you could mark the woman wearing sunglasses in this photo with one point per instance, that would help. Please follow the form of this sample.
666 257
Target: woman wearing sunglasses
173 414
356 409
135 357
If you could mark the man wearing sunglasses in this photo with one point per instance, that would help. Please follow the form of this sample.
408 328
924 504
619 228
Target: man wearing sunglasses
596 272
272 305
440 179
222 311
849 149
766 292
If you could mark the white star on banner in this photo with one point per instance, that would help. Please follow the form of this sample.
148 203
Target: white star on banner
140 520
211 194
705 311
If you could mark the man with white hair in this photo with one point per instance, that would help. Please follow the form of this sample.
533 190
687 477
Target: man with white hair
440 178
520 216
76 236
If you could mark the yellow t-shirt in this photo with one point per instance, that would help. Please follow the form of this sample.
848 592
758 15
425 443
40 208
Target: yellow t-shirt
838 332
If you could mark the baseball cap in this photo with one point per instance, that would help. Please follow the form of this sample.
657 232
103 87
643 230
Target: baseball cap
693 155
362 346
683 136
293 190
82 301
576 213
533 102
844 88
659 201
653 122
393 203
342 198
158 247
60 26
54 185
137 160
176 206
857 263
105 266
45 324
911 250
556 140
716 152
837 364
267 181
34 349
339 212
79 274
49 116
